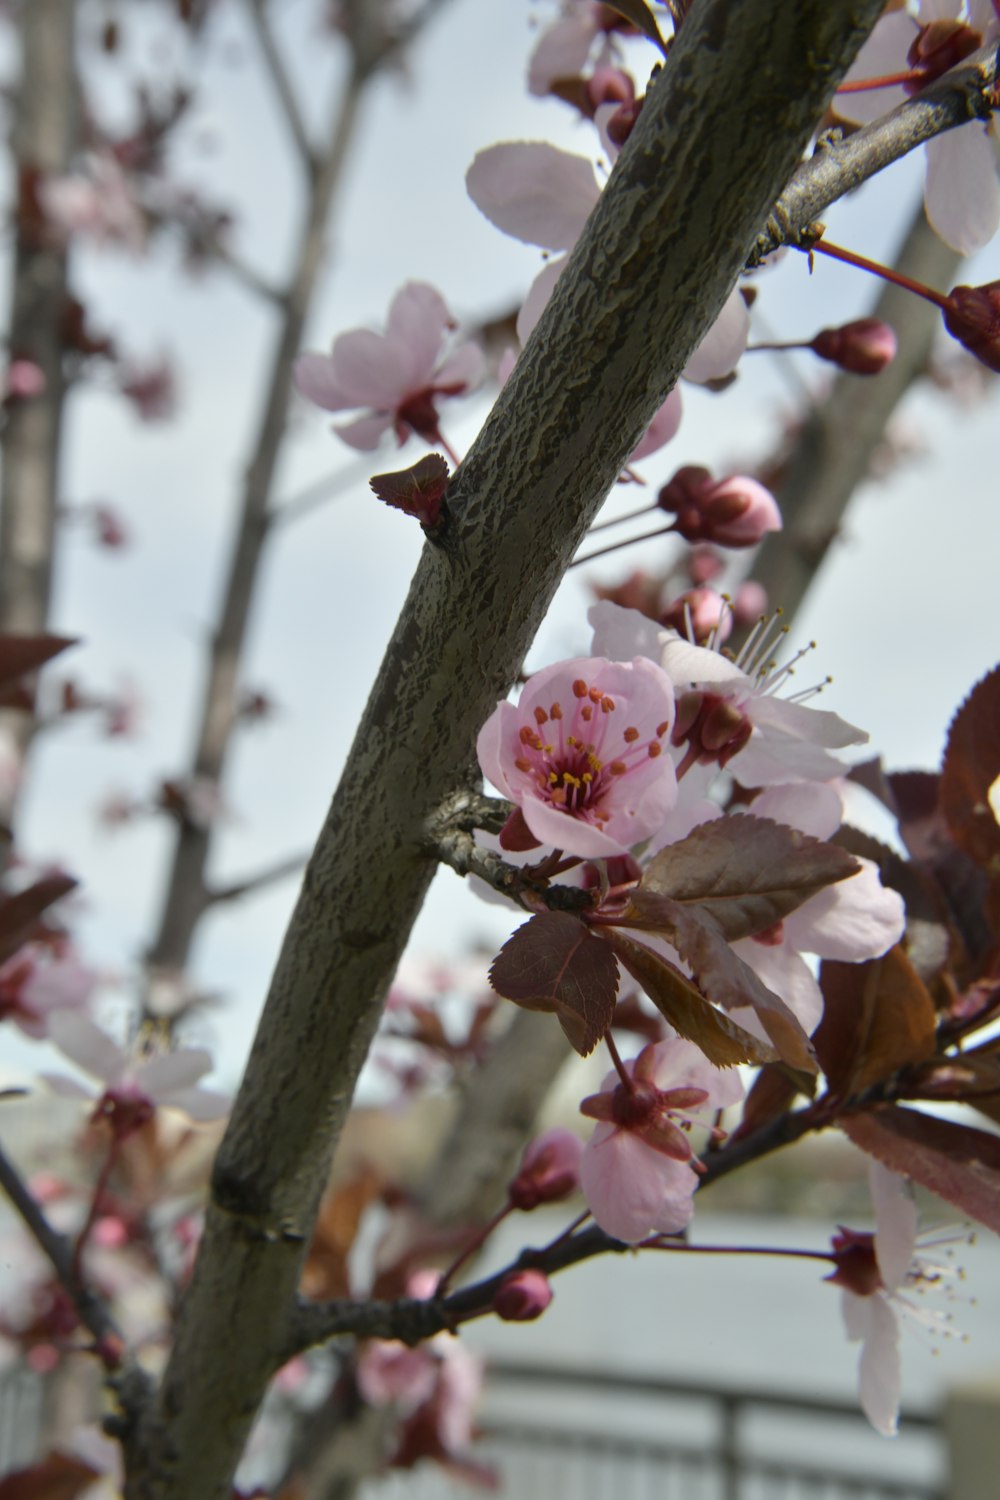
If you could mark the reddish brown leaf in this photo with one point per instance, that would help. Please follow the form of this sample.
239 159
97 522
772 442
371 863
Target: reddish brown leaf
960 1164
719 973
641 17
26 653
57 1477
773 1091
418 490
971 766
877 1018
554 962
689 1013
746 872
18 914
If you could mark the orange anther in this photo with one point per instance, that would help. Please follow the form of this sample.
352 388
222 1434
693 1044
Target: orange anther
579 688
541 717
654 749
617 768
631 735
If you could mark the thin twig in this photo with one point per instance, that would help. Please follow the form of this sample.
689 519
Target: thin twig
281 870
282 84
838 167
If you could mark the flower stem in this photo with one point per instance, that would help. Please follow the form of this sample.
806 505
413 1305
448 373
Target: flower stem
442 442
660 1242
477 1240
836 252
95 1204
620 1068
614 547
633 515
887 81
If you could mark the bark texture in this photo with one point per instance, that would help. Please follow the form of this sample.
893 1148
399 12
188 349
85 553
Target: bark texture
722 130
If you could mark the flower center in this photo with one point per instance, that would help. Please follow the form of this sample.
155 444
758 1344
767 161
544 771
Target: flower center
575 759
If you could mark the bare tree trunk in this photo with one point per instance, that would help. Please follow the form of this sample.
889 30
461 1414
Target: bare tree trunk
721 131
43 140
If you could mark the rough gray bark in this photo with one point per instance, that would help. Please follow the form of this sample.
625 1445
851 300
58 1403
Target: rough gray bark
44 137
721 132
833 453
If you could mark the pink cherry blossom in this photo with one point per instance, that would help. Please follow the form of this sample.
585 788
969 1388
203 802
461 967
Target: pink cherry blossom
582 754
36 982
543 196
549 1171
875 1272
733 512
133 1084
636 1170
962 191
563 49
99 201
399 375
787 741
850 921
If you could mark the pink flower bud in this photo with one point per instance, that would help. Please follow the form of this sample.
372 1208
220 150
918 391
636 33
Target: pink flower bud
863 347
732 512
549 1170
699 613
973 317
749 603
522 1296
610 86
24 380
704 564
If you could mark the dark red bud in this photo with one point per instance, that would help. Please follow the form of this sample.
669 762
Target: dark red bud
863 347
622 122
419 490
549 1172
685 488
973 317
522 1296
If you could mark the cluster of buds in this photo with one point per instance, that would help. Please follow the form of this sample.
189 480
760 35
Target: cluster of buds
733 512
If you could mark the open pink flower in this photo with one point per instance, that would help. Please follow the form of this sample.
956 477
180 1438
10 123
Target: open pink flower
874 1272
133 1085
962 191
398 375
582 754
733 708
35 982
636 1170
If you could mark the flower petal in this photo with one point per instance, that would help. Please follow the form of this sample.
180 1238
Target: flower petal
534 191
879 1374
962 193
372 369
895 1224
719 351
87 1045
417 325
632 1190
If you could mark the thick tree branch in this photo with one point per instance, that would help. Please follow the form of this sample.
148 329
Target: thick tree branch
721 131
966 93
44 138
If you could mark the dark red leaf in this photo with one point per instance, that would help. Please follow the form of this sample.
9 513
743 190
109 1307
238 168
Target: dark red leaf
747 872
877 1018
418 490
773 1091
57 1477
641 17
555 963
971 766
26 653
960 1164
18 914
689 1013
719 973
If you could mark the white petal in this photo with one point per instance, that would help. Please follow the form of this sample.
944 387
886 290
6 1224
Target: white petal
364 433
200 1104
315 380
815 808
719 351
87 1045
371 369
895 1223
884 53
534 191
538 295
561 50
172 1070
879 1370
661 429
418 322
856 1312
962 195
854 919
467 367
67 1088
